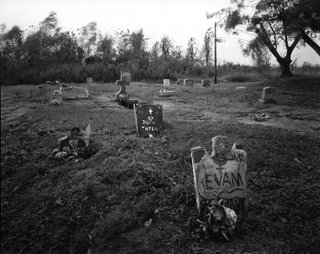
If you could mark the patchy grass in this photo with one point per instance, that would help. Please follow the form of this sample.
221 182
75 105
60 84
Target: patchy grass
101 204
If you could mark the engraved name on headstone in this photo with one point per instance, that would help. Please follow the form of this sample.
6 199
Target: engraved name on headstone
221 175
149 120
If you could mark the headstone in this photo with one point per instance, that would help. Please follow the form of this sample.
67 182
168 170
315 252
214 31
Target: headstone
56 97
180 82
221 175
122 94
267 95
166 83
74 92
125 76
188 82
205 83
89 80
149 119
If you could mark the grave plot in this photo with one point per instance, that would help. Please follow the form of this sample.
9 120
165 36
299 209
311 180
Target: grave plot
149 120
166 92
75 92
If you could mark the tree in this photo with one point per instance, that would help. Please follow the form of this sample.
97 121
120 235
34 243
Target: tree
305 18
87 38
207 46
272 20
105 49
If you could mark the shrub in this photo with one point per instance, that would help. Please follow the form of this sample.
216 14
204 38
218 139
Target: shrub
243 77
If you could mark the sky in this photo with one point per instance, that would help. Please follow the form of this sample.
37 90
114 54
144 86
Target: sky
178 19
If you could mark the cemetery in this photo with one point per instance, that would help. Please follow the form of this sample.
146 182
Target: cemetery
119 167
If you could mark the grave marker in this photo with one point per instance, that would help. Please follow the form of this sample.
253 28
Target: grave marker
166 83
180 82
267 95
205 83
221 175
122 94
56 97
188 82
149 119
89 80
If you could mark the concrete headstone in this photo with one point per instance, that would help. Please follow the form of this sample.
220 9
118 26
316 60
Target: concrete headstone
221 175
267 95
166 83
188 82
122 94
149 119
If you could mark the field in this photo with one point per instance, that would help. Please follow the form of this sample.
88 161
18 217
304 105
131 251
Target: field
102 204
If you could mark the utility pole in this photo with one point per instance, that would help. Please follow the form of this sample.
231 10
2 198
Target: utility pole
215 49
215 52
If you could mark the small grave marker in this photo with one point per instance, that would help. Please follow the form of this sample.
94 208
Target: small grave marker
267 95
89 80
149 119
221 175
180 82
166 83
205 83
188 82
56 97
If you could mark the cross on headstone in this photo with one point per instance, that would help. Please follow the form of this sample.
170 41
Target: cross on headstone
221 175
125 81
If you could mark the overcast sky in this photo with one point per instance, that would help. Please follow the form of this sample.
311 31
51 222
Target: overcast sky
178 19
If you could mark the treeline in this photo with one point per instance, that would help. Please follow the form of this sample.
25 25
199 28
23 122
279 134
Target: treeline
47 53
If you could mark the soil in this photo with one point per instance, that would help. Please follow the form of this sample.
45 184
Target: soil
135 195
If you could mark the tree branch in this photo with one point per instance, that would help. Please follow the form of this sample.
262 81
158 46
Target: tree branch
310 42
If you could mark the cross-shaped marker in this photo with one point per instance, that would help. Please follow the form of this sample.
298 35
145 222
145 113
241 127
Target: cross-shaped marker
150 111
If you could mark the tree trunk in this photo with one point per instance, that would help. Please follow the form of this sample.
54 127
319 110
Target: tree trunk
310 42
286 72
285 66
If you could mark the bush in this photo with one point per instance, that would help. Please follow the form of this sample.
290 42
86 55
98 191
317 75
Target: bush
243 77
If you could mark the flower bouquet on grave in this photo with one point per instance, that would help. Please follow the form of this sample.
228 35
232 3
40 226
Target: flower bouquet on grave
217 219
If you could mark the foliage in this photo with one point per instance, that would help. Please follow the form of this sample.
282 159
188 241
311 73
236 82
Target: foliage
277 25
48 53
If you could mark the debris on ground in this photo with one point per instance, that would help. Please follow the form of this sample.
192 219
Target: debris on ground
261 117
